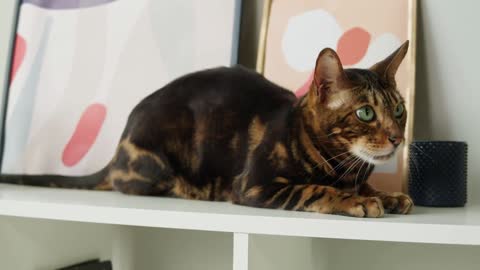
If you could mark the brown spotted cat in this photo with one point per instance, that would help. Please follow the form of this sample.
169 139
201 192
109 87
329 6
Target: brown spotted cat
229 134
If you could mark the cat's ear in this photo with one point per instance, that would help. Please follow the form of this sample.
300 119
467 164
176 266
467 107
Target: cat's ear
389 66
328 75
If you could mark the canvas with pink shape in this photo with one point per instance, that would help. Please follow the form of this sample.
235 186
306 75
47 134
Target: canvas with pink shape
362 33
79 68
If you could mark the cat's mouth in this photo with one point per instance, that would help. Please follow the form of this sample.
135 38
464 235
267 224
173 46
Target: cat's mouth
374 157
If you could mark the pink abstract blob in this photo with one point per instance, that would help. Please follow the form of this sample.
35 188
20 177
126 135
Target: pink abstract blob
18 55
352 46
305 87
85 134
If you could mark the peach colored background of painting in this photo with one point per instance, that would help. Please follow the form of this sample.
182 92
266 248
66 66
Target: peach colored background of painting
376 16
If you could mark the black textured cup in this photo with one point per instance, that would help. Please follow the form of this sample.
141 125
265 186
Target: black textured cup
438 173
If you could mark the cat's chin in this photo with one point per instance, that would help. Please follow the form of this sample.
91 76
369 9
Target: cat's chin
376 158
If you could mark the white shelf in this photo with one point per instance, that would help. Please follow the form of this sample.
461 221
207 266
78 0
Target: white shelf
425 225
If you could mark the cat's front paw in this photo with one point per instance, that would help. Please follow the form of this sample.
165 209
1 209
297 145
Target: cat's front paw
358 206
397 203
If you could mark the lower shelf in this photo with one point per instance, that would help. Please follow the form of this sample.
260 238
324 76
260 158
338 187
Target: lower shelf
424 225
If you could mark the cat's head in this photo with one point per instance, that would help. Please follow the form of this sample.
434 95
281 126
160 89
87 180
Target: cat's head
358 110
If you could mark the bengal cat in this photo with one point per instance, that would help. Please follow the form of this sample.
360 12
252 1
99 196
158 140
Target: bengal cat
229 134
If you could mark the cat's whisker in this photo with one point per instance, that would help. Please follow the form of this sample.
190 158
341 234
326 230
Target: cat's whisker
325 136
354 163
346 172
326 161
423 152
413 158
342 163
368 168
356 177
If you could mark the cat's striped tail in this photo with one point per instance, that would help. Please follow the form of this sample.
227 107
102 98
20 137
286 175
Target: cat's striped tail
93 181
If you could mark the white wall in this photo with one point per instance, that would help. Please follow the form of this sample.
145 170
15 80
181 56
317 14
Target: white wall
448 78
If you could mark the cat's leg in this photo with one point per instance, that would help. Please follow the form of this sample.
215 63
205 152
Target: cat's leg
395 203
311 198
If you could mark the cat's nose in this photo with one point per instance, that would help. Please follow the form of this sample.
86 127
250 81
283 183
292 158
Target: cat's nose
395 140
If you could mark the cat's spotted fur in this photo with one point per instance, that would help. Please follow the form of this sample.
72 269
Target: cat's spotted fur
228 134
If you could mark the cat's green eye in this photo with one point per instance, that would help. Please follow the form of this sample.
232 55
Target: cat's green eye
365 113
398 113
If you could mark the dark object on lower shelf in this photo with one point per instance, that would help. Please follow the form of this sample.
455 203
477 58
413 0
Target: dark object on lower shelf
90 265
438 173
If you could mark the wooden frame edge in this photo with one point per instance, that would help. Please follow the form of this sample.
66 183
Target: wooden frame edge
411 65
262 40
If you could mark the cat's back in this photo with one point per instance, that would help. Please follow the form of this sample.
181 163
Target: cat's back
222 100
233 87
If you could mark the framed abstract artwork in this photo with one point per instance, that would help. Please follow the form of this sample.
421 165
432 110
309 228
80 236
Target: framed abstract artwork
80 66
362 32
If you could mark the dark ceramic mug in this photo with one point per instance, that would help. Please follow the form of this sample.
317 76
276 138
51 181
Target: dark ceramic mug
438 173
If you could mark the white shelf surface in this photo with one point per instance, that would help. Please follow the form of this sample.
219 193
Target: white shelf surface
424 225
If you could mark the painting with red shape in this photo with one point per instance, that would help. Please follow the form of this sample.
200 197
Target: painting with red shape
297 33
18 55
352 46
84 135
80 67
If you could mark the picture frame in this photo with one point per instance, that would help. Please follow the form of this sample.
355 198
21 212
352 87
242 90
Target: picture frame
80 67
288 23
